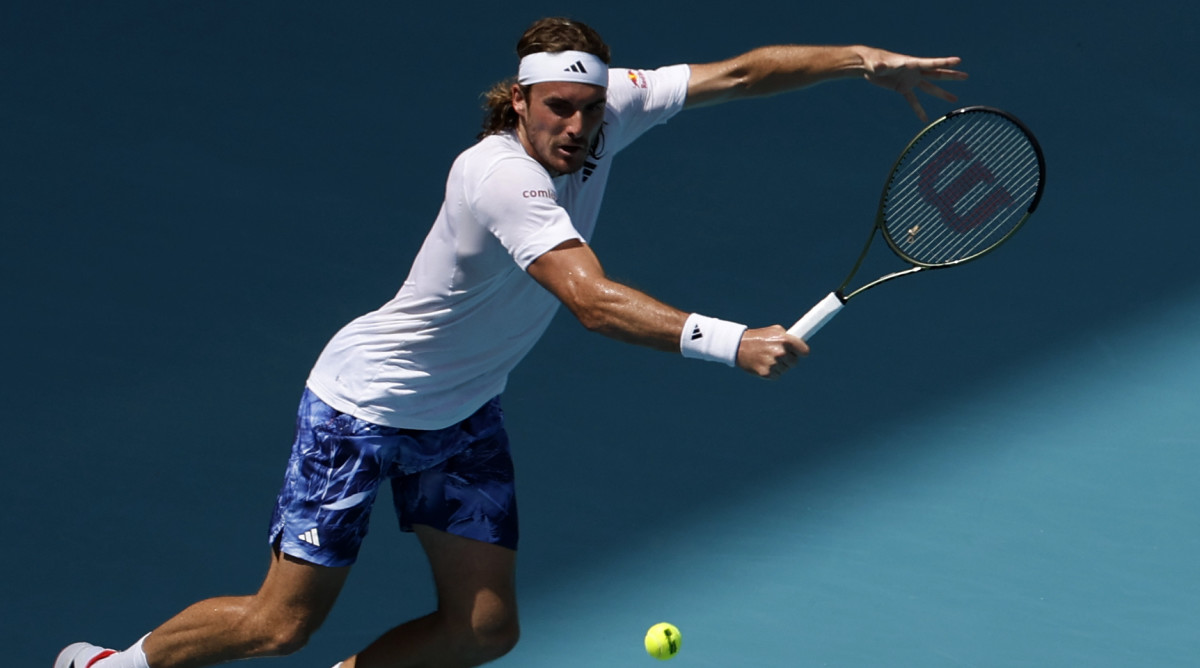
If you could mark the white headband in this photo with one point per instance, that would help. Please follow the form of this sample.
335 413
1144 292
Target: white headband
575 66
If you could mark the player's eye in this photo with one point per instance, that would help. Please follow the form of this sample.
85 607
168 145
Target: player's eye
560 108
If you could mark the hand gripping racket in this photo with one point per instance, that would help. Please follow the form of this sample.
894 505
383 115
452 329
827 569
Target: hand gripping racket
961 188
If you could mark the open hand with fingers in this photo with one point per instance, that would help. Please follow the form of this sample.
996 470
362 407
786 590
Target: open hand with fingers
907 74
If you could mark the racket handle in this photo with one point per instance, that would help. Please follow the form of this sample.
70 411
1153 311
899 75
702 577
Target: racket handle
817 316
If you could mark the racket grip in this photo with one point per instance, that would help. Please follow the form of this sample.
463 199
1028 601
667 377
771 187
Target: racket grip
817 316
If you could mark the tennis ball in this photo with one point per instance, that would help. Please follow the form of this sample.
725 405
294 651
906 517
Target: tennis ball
663 641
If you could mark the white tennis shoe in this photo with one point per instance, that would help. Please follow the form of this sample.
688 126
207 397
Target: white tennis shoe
81 655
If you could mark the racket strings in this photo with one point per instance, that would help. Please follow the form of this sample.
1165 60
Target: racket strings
956 190
934 206
961 189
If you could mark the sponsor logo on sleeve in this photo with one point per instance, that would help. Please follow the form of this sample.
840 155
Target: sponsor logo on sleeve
637 78
539 193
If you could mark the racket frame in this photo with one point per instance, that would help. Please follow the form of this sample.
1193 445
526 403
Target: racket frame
827 308
880 224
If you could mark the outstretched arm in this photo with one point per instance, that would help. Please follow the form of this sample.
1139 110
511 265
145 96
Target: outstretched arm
777 69
573 274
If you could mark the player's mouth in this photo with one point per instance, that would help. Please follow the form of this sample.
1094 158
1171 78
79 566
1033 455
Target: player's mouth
570 150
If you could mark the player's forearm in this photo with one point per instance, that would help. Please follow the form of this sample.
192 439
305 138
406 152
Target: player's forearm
778 69
771 70
626 314
572 273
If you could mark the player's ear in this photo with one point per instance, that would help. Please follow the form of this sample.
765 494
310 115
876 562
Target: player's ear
519 102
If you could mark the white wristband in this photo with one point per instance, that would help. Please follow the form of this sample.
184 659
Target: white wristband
711 339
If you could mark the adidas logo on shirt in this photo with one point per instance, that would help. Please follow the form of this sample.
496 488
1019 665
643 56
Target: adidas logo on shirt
311 537
577 67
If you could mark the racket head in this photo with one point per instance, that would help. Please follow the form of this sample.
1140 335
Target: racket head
961 188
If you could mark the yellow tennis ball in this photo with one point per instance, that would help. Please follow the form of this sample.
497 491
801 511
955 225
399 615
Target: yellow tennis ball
663 641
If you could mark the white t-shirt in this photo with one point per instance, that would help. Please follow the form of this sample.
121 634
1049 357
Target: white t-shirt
468 312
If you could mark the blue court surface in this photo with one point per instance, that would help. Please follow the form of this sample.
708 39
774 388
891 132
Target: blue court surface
989 466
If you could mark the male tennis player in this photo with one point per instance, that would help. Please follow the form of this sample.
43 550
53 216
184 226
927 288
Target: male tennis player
410 393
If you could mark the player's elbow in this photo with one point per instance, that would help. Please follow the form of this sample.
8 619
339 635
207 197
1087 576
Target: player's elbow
593 317
733 84
594 308
749 75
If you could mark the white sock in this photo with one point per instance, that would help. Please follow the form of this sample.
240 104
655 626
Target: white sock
134 657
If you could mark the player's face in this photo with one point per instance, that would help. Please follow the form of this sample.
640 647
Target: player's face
558 122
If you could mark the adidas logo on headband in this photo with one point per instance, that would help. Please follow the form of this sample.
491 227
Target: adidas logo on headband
573 66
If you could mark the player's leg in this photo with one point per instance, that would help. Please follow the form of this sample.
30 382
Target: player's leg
293 601
476 620
464 510
321 516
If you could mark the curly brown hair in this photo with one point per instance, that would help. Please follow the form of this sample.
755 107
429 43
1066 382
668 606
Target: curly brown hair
552 35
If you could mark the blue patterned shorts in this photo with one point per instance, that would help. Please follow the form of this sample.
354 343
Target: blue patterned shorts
458 480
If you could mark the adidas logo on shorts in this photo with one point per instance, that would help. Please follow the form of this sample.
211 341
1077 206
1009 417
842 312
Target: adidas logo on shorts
311 537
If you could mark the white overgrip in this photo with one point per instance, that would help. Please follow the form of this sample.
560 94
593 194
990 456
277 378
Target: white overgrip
817 316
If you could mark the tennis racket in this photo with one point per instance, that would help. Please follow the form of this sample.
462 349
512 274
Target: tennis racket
960 189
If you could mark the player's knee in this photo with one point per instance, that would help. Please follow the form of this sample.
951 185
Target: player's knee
487 639
498 638
288 638
280 633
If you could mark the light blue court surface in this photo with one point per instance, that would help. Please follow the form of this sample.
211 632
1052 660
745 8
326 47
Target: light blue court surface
990 467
